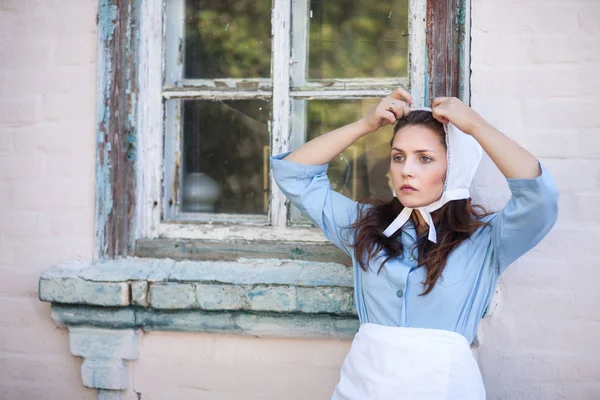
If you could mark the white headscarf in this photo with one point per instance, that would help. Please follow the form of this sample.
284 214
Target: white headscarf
464 155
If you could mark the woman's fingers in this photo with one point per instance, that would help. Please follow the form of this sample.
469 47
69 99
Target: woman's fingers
440 114
405 109
399 109
395 109
390 109
389 116
438 100
401 94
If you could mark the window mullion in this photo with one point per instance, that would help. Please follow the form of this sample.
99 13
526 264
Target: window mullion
175 36
150 121
226 83
280 72
300 27
213 95
340 94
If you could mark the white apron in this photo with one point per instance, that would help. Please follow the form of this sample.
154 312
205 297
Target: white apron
386 362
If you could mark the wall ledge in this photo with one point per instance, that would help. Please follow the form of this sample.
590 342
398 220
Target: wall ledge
259 297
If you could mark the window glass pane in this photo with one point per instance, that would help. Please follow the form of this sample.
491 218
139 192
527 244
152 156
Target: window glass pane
362 170
358 39
225 156
227 39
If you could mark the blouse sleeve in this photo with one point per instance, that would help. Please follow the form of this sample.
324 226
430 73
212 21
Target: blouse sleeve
309 189
526 219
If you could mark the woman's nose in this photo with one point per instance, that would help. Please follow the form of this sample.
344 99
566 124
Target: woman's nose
408 169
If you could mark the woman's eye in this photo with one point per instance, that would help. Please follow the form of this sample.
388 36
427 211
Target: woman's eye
426 159
398 158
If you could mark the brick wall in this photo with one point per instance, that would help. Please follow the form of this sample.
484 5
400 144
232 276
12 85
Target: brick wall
47 114
536 75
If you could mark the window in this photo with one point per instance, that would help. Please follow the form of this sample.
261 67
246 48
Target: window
195 96
234 95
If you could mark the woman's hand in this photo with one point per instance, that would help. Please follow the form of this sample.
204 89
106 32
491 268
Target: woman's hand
388 111
451 109
510 158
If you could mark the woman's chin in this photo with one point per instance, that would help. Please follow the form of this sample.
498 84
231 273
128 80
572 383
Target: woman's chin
411 202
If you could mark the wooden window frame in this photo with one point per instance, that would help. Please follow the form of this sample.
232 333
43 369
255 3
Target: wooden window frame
131 61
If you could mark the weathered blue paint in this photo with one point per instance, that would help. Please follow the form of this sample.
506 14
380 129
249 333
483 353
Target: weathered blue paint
149 293
118 49
260 285
252 295
101 317
107 18
242 323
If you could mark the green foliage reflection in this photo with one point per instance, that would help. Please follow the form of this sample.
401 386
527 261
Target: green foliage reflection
358 39
347 39
227 39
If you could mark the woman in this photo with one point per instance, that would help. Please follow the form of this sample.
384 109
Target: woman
426 263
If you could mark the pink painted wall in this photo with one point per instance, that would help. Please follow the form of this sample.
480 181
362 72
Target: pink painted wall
47 118
220 367
535 75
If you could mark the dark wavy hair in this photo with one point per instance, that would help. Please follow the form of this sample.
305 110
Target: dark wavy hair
455 222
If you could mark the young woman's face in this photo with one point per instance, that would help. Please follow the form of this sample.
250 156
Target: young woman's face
418 166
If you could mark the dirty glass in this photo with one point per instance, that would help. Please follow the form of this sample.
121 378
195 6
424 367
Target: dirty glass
361 171
358 39
227 39
225 157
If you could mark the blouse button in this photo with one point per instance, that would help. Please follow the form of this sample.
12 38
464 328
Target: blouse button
400 293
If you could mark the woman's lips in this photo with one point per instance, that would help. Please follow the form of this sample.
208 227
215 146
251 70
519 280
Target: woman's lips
407 189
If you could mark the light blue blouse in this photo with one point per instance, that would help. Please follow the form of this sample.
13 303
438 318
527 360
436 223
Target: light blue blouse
460 297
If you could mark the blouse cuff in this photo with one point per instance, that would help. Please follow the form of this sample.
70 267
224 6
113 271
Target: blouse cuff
542 183
293 169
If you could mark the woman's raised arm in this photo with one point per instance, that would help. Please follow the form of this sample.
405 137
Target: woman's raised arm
511 159
325 148
533 207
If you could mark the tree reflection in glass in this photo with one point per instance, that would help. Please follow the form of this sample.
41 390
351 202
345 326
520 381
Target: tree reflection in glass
358 39
227 39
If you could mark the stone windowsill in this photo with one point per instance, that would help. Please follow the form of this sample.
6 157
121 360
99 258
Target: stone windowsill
260 297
